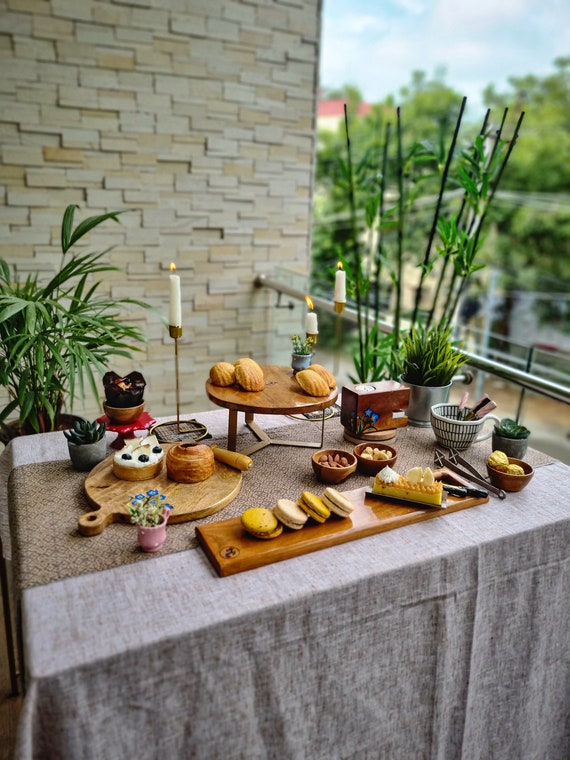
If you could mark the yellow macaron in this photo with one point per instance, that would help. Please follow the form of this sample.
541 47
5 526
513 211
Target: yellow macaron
314 506
261 523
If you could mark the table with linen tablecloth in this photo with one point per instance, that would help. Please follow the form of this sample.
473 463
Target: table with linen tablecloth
444 639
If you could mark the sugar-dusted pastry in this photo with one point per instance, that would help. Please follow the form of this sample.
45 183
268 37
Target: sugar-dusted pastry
418 485
139 459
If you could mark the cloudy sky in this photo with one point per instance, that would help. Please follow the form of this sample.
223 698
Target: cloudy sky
376 44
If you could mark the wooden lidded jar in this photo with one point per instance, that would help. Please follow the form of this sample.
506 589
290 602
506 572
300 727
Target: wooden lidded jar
190 462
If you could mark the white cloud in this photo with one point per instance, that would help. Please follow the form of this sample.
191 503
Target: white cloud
376 46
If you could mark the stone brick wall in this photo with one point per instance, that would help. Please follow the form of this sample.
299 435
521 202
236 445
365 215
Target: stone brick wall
199 115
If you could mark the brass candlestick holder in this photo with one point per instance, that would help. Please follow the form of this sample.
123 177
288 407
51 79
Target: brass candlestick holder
168 431
312 337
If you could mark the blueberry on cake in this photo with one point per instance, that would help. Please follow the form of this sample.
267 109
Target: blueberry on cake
139 459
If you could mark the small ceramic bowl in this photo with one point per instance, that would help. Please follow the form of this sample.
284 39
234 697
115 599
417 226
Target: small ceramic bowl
372 466
509 482
123 416
331 474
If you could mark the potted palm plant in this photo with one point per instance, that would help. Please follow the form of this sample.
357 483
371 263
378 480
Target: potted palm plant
427 361
55 335
86 443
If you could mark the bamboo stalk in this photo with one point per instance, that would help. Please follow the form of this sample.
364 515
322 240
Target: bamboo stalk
445 173
354 235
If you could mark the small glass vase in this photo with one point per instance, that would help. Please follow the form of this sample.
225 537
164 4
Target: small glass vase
152 539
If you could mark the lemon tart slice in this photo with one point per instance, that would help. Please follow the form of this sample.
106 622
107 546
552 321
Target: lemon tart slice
419 487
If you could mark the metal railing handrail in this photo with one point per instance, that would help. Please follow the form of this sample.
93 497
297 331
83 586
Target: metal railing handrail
521 378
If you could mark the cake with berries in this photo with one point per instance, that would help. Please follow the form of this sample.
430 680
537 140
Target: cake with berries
139 459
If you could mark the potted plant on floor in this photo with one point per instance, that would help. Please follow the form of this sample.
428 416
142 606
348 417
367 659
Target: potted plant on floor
150 513
302 352
510 438
86 444
55 335
427 361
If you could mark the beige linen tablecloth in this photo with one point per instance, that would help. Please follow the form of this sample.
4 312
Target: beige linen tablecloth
48 498
445 639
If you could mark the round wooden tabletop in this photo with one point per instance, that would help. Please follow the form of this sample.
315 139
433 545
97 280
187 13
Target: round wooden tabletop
282 395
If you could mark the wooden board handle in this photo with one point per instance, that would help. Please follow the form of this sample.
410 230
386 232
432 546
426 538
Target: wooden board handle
93 523
233 459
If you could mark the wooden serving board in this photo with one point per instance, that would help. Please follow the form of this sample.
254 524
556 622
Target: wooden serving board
231 550
191 501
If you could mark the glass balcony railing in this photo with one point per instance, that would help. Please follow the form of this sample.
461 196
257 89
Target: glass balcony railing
529 383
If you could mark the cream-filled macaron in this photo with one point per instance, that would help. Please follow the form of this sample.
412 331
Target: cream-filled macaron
337 502
290 514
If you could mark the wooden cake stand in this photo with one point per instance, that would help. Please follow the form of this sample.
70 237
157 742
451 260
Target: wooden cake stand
281 395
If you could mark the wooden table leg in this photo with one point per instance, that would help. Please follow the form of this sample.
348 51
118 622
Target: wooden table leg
11 651
232 430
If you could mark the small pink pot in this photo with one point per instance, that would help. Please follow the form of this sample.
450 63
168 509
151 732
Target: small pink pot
152 539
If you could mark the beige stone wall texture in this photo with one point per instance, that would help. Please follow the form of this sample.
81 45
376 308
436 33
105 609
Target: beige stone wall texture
199 116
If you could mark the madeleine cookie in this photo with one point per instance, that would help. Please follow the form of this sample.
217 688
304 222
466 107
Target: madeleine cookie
314 507
261 523
249 375
312 383
223 374
290 514
337 502
329 378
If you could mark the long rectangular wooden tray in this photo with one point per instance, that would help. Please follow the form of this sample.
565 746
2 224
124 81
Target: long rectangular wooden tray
231 550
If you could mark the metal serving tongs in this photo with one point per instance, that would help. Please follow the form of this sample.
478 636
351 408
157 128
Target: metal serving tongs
455 462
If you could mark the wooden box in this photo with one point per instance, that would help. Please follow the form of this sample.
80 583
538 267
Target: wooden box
372 407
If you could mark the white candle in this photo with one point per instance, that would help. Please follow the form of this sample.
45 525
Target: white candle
340 286
175 315
311 324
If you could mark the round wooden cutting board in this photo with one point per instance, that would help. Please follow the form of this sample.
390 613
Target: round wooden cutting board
110 495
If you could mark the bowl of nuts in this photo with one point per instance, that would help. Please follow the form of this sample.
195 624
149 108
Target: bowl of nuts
371 459
333 465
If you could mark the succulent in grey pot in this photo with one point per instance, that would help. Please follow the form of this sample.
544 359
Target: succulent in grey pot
510 438
86 444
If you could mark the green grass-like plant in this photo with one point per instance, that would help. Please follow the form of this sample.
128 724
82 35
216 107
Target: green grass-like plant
428 357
